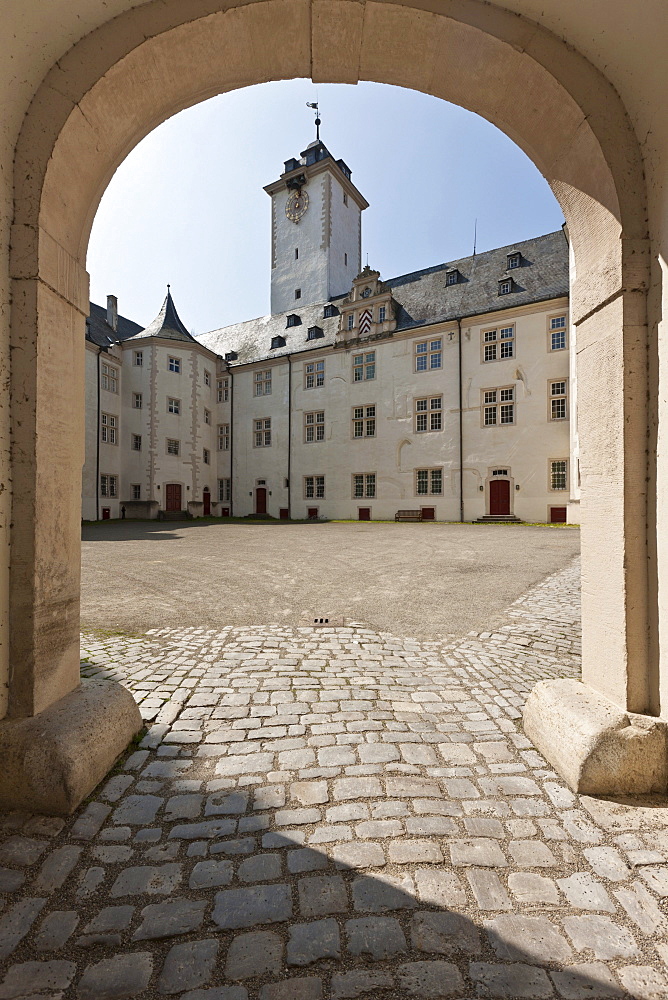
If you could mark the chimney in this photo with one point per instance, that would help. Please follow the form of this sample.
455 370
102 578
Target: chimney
112 311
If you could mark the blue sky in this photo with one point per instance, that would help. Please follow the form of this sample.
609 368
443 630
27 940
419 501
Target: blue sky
187 205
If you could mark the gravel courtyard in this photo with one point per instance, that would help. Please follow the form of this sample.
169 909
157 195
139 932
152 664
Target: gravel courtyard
418 580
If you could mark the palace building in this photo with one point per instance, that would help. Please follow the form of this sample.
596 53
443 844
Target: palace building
444 391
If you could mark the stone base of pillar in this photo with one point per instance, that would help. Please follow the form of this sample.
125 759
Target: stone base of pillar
596 747
52 761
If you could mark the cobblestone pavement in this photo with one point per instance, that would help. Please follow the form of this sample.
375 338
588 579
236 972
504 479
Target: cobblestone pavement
337 813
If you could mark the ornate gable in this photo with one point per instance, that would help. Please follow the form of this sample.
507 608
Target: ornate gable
369 309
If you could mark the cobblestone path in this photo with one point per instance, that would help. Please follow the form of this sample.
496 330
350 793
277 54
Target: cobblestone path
337 813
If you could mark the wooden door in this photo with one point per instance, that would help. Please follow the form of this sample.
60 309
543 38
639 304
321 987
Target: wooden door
173 496
557 515
206 500
311 511
499 497
364 513
284 513
428 513
260 500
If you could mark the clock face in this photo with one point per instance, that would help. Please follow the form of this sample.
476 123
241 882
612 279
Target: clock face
296 205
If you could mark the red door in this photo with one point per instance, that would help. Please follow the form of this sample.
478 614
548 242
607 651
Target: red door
260 500
558 515
428 513
364 513
311 511
173 496
206 499
499 496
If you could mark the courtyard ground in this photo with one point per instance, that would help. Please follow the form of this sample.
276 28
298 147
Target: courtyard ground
418 580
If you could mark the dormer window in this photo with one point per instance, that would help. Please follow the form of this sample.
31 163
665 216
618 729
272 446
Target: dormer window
231 356
293 320
505 286
514 260
314 332
330 311
277 342
452 276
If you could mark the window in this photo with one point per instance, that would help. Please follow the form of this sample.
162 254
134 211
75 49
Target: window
298 293
499 472
109 379
382 312
138 358
498 344
173 405
262 433
314 374
137 401
262 383
558 401
277 342
345 198
428 414
207 377
428 355
174 365
314 426
293 320
108 486
314 332
231 356
557 333
351 321
109 428
505 286
330 311
224 490
136 442
428 482
223 390
514 260
314 487
498 406
452 277
364 366
223 437
296 253
136 491
173 447
207 416
364 485
206 456
345 259
559 474
364 421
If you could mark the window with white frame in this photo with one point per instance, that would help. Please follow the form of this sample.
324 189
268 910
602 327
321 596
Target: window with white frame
262 383
505 286
428 414
558 400
559 474
224 490
428 355
382 313
137 400
173 405
557 333
173 446
364 421
136 442
109 378
351 320
223 437
109 428
174 365
514 260
262 433
314 426
108 486
452 277
207 377
314 374
498 344
223 390
428 482
207 416
314 487
364 485
498 406
138 358
364 366
136 491
206 456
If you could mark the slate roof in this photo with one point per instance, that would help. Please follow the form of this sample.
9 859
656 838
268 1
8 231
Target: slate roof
99 332
166 325
421 297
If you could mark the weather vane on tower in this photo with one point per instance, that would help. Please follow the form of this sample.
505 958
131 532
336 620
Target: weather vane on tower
318 121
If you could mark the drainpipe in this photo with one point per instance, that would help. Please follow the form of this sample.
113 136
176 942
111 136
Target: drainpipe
229 371
289 435
97 441
461 423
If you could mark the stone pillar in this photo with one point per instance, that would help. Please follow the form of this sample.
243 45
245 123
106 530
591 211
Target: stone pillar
59 738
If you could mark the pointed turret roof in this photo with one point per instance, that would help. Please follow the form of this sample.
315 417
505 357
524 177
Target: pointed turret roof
166 324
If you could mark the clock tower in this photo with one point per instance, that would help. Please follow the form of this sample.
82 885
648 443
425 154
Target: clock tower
316 230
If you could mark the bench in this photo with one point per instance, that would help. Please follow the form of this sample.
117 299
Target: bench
408 515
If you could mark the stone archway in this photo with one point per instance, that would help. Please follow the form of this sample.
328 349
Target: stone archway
122 80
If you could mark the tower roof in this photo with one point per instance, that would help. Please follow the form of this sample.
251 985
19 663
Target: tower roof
166 324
